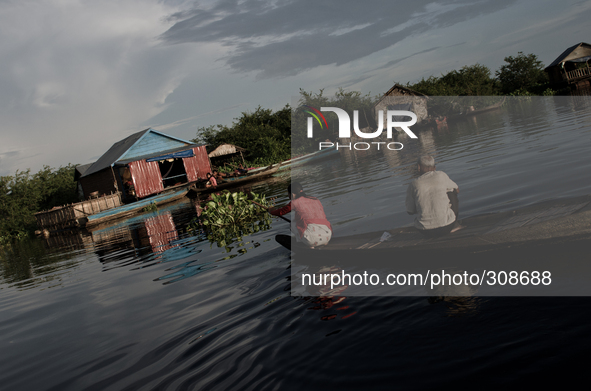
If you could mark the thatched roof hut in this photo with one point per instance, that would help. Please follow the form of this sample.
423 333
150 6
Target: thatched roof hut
226 149
226 152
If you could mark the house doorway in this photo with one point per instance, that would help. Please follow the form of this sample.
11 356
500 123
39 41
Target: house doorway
173 172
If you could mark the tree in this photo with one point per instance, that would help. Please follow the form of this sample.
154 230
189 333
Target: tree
523 72
24 194
264 134
472 80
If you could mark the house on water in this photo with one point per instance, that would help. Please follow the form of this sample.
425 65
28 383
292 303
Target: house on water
571 67
143 164
402 98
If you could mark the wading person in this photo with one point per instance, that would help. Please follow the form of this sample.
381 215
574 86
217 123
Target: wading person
433 197
313 228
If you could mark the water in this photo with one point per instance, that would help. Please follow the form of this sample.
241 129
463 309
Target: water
147 305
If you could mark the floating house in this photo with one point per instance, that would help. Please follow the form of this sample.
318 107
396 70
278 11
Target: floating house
402 98
80 170
143 164
571 67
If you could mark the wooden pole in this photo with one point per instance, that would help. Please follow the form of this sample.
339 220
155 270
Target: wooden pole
267 209
114 179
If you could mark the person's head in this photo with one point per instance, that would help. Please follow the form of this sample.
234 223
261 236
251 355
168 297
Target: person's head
426 163
209 175
295 190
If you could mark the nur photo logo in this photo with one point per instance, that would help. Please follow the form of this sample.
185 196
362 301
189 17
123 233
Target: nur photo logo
395 119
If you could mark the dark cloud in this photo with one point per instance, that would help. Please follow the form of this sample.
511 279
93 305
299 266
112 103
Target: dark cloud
394 62
457 44
286 37
354 81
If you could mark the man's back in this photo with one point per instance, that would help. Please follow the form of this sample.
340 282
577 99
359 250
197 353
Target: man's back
427 197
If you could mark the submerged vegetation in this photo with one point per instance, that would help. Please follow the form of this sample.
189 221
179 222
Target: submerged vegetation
24 194
228 216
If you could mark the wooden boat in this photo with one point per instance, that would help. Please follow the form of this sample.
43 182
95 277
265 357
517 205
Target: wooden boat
560 220
471 113
234 181
132 209
442 121
314 156
304 159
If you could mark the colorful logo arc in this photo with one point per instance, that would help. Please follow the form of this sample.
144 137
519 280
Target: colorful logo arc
316 116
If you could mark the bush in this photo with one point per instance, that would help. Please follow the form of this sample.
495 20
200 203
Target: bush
474 80
523 73
23 194
266 135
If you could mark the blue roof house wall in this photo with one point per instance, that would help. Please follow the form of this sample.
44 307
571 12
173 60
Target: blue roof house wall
145 143
153 142
135 147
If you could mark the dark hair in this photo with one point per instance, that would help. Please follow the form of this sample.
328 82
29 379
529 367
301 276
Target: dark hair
297 189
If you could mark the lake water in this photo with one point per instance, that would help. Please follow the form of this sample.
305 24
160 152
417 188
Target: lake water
145 304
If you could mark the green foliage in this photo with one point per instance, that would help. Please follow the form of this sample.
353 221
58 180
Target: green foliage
474 80
523 73
24 194
150 208
266 135
229 216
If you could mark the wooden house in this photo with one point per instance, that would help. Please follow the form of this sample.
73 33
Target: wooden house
402 98
571 67
143 164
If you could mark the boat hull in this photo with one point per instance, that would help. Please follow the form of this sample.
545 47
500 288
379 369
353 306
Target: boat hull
566 219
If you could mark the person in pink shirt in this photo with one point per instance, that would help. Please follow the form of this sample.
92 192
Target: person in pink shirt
211 182
313 227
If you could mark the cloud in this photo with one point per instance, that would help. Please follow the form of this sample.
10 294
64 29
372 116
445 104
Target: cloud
78 76
171 125
394 62
285 38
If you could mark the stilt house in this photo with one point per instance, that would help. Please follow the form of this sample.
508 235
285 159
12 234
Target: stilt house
143 164
571 67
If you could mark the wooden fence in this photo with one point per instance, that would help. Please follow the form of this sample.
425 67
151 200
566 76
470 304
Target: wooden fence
577 74
69 216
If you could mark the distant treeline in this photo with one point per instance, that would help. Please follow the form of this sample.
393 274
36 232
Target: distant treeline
267 135
24 194
521 75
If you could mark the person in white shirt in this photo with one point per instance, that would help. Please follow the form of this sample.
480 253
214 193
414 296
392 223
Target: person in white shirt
433 198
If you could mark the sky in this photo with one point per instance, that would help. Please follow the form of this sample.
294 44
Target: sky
77 76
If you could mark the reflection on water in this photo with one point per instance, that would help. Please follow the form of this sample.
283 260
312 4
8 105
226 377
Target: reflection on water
145 304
